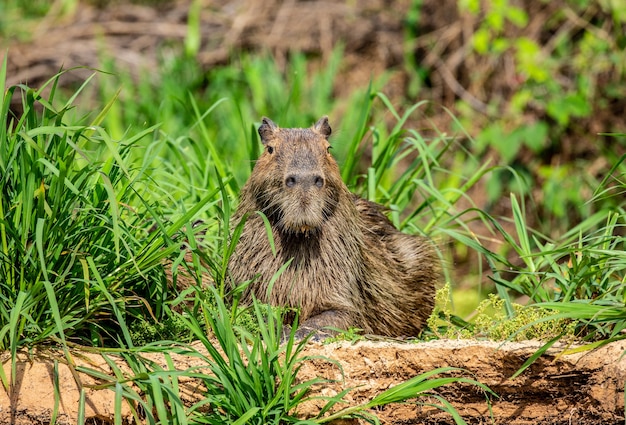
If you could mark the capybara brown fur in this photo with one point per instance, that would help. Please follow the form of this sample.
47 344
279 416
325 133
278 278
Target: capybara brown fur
348 265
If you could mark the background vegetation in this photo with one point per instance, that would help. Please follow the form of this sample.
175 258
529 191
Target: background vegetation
512 159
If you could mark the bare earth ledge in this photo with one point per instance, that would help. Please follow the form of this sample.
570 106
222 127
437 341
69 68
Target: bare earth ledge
582 388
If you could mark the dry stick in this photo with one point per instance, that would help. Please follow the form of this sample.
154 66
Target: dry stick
443 40
241 22
433 58
281 20
584 23
458 89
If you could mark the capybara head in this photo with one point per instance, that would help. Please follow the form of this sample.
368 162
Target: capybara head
296 181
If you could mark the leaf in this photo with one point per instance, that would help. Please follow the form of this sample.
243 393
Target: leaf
535 135
481 41
517 16
535 356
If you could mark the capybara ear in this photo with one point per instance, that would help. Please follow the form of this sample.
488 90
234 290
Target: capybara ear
322 127
267 129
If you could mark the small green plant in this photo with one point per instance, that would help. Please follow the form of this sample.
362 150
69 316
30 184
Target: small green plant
172 328
351 335
527 323
442 322
252 376
491 321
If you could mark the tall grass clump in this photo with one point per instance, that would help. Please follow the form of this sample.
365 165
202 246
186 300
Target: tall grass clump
76 260
582 277
255 380
577 279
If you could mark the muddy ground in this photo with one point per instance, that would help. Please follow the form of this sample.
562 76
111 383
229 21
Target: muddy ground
578 389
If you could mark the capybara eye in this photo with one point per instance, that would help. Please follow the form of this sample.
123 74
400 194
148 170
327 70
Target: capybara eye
290 181
270 150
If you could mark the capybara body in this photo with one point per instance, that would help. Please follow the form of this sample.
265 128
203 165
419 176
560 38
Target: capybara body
348 265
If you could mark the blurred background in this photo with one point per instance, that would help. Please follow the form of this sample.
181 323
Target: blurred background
535 90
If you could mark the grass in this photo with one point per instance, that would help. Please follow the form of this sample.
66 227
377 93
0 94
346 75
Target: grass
96 205
248 379
76 256
87 222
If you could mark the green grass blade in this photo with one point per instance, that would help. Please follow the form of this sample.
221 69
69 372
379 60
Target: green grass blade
352 157
115 213
522 234
14 335
117 404
157 398
193 37
56 390
112 302
268 230
446 406
536 355
97 121
247 416
80 417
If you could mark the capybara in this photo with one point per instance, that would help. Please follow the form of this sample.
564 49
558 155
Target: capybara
348 265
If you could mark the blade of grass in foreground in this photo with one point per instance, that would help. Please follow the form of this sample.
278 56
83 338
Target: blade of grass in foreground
57 391
113 303
14 335
81 408
536 355
415 387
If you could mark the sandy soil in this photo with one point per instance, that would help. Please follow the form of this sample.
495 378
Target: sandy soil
583 388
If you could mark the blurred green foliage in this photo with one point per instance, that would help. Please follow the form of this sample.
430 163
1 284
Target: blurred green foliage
539 79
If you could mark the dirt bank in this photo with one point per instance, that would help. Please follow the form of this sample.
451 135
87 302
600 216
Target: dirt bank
583 388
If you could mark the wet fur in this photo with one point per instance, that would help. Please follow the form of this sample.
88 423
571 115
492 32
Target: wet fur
349 266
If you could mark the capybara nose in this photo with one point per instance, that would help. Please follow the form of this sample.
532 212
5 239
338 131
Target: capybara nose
305 180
